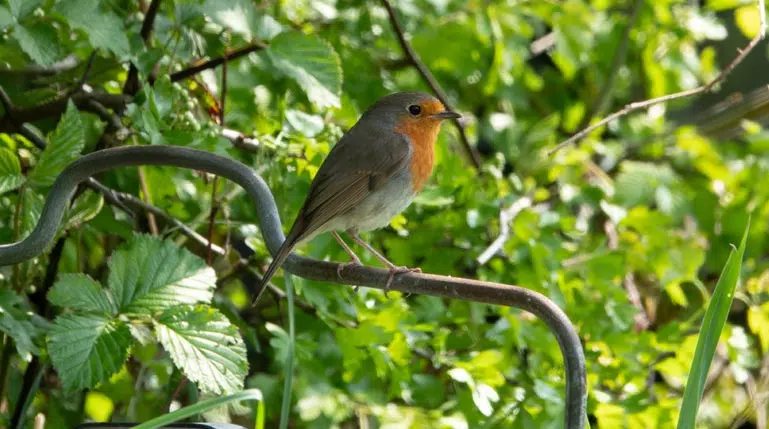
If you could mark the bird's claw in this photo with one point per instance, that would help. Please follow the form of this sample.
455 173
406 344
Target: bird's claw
342 266
399 270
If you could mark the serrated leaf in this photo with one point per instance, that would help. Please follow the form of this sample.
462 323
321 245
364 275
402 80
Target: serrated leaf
104 29
85 208
205 346
81 292
312 63
87 349
150 274
39 41
10 171
64 146
15 321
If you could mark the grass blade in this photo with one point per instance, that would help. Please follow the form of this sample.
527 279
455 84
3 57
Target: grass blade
710 331
194 409
286 405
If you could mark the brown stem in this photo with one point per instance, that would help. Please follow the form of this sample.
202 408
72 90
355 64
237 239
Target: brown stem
428 77
683 94
131 85
216 62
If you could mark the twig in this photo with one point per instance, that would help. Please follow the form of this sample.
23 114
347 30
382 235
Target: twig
683 94
57 106
118 199
214 204
107 101
131 85
111 119
642 321
212 218
86 72
7 103
216 62
66 64
505 217
240 140
153 226
176 391
428 77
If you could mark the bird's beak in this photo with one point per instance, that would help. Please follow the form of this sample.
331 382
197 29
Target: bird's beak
446 114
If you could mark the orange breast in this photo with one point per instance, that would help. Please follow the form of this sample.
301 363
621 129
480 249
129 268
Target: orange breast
422 134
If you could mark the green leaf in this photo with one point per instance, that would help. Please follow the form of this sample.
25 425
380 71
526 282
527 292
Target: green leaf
237 15
201 407
710 331
16 322
150 274
309 125
104 29
32 203
22 8
10 171
85 208
81 292
65 145
205 345
312 63
87 349
747 20
434 196
6 19
40 42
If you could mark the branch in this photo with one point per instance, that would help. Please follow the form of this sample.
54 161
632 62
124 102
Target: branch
131 85
505 217
83 100
115 197
118 199
64 65
428 77
269 222
55 108
683 94
216 62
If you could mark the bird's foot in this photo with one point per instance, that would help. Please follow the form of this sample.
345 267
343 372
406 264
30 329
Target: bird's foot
354 263
398 270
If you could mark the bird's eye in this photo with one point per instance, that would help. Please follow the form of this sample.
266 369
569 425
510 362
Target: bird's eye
415 109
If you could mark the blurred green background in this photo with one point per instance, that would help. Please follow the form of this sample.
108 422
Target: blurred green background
627 231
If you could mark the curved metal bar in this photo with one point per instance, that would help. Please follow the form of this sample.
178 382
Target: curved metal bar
269 221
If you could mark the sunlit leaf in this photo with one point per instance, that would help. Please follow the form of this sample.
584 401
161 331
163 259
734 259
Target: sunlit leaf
204 344
312 63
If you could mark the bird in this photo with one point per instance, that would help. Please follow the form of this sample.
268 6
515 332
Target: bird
372 174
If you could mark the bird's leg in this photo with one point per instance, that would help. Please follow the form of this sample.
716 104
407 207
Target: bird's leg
355 260
394 269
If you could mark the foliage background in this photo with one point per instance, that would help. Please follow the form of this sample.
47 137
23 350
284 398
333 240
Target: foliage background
626 232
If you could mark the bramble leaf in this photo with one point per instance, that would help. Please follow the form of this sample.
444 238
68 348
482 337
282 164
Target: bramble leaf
207 348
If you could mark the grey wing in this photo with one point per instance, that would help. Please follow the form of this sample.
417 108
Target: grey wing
337 187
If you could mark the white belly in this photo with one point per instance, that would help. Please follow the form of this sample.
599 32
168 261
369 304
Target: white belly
378 208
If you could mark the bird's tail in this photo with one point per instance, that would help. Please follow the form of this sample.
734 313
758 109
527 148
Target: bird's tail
277 261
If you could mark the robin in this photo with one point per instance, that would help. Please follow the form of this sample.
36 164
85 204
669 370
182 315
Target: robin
371 175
